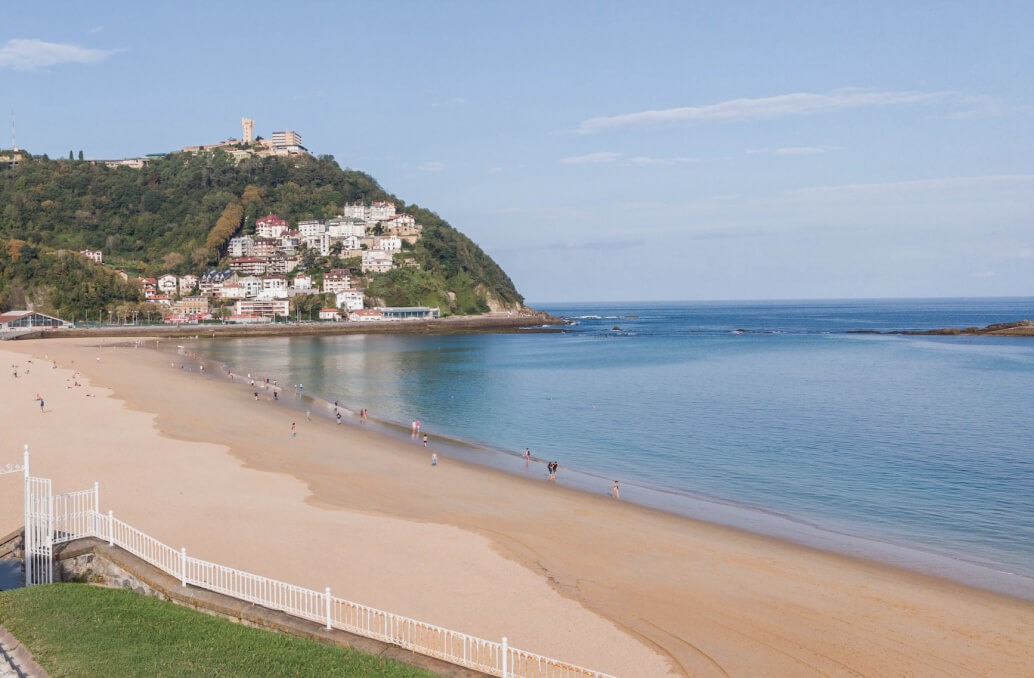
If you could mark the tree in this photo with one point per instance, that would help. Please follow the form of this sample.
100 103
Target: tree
70 155
173 261
80 156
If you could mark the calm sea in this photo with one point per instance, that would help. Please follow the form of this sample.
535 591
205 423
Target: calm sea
767 415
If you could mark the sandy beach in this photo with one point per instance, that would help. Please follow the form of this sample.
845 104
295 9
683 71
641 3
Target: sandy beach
195 461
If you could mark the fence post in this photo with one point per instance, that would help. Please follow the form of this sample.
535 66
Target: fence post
111 527
183 566
26 461
328 608
96 507
506 674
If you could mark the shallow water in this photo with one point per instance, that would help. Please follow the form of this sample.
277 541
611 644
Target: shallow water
913 450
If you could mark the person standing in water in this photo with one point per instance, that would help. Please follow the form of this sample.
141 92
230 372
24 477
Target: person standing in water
615 491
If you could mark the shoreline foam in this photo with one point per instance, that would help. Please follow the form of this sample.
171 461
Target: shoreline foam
714 598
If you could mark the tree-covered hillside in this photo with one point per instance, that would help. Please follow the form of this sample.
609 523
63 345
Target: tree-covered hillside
173 216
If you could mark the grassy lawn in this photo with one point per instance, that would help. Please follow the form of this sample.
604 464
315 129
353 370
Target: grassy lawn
82 631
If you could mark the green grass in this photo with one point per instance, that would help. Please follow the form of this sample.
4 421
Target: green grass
82 631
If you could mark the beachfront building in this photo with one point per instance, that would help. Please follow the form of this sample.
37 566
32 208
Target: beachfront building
95 255
168 283
365 316
350 300
409 313
187 283
191 306
161 299
269 308
270 226
376 261
330 314
241 246
247 319
26 320
336 280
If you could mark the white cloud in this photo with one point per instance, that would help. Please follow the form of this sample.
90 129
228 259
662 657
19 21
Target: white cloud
644 160
1001 185
431 166
794 150
782 105
27 55
592 158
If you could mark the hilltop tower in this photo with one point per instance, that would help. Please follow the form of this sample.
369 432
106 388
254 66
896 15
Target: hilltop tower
249 130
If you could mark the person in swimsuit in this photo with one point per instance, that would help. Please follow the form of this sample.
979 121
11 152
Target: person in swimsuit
615 491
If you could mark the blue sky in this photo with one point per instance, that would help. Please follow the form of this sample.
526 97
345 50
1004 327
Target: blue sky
599 151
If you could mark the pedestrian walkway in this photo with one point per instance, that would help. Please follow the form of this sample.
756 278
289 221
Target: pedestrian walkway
15 660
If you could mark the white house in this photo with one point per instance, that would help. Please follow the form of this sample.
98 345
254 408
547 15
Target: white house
252 285
390 244
377 261
302 282
290 240
96 255
379 211
242 246
355 210
311 227
168 283
270 226
342 227
330 314
350 243
401 222
235 291
275 284
187 284
365 316
319 242
350 300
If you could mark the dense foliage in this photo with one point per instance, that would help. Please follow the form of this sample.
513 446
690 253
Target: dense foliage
177 213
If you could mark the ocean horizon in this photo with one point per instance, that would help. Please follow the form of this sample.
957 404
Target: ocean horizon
765 415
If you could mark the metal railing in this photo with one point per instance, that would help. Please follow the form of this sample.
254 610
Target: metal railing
493 658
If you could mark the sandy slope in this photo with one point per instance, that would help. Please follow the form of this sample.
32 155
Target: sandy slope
584 578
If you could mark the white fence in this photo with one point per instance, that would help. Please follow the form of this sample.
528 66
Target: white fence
64 517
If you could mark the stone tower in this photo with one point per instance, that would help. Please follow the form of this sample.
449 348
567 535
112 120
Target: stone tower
249 130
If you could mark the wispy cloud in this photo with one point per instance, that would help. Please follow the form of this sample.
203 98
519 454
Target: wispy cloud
28 55
431 166
96 29
984 274
794 150
999 185
782 105
644 160
592 158
455 101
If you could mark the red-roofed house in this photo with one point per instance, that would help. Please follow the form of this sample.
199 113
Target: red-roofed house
270 226
330 314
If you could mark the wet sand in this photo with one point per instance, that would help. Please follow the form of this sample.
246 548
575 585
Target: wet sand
581 577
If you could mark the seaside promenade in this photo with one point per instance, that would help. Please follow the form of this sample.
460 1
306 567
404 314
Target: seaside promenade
609 585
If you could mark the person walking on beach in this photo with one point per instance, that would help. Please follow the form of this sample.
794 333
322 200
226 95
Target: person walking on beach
256 396
615 491
41 405
308 415
293 434
527 454
425 440
434 459
338 415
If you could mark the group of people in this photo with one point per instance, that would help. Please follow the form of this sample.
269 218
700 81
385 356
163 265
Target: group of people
551 469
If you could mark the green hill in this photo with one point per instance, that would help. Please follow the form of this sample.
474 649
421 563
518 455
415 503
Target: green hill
173 216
